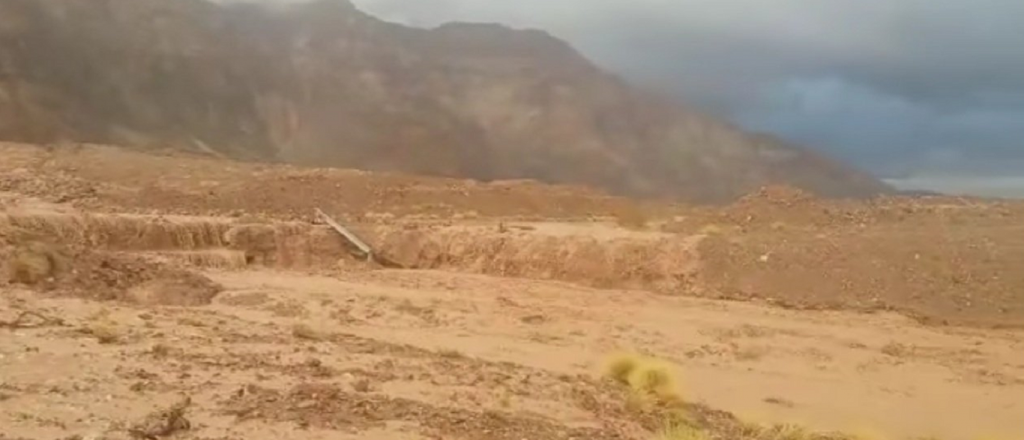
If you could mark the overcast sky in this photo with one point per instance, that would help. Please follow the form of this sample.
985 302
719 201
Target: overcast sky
891 85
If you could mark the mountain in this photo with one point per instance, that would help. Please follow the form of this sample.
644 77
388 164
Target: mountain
325 84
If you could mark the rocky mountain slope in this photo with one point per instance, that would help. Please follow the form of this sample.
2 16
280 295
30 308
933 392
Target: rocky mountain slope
323 83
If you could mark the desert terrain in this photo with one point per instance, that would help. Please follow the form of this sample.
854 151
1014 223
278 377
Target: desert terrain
166 295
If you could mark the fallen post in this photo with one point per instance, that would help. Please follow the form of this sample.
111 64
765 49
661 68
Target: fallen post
352 238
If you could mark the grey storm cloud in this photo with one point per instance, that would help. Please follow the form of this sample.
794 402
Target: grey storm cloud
895 86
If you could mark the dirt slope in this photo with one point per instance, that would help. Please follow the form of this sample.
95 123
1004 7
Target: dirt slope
325 84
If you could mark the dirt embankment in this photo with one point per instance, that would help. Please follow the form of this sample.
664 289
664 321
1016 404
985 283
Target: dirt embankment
940 259
664 263
961 278
200 241
60 268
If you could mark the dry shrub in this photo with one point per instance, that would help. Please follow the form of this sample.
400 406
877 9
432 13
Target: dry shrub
191 322
681 431
621 367
29 267
750 354
449 353
645 376
504 397
789 432
163 423
895 349
33 263
161 350
362 385
104 332
654 398
654 380
304 331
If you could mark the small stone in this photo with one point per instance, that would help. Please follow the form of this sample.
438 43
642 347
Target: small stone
361 385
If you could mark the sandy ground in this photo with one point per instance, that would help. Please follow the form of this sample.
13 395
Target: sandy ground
884 320
477 343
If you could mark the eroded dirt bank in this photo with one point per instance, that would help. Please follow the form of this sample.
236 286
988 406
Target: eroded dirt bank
961 277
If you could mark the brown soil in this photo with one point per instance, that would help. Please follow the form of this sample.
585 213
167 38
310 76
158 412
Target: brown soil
111 179
220 313
493 358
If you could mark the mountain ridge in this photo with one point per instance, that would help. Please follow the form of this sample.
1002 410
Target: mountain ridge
323 83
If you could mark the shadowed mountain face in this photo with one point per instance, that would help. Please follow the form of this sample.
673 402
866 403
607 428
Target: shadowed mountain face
325 84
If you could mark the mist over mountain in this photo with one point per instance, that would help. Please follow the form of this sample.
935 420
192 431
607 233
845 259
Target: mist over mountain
905 87
323 83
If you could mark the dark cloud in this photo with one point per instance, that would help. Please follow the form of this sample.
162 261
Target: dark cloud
897 86
907 86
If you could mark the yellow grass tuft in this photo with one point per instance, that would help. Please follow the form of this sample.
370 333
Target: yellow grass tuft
644 375
681 431
654 391
790 432
652 379
620 367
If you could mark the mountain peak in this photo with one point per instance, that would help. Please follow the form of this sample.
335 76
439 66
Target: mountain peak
322 83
